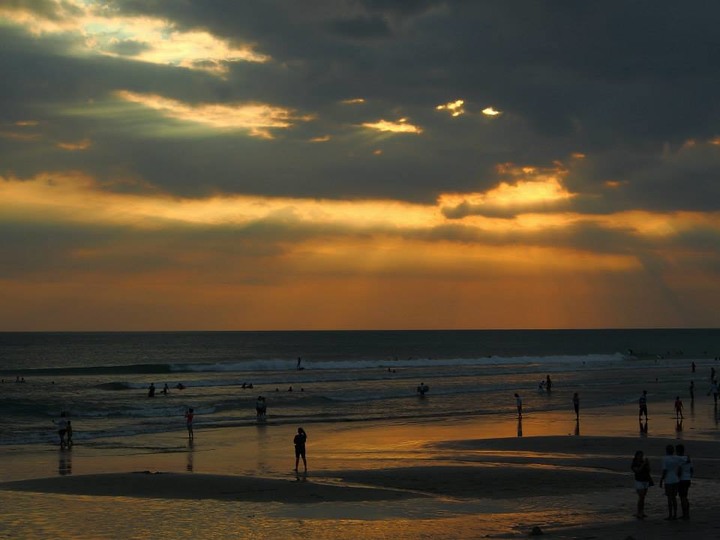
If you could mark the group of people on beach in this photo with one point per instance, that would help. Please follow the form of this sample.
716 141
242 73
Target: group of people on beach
677 473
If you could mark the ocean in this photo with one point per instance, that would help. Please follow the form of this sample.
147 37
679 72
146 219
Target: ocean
101 379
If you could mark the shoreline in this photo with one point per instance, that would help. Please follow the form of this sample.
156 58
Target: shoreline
472 478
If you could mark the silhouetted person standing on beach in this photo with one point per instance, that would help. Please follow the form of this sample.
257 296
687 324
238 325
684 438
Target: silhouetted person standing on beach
518 404
670 465
686 474
642 405
62 428
299 441
576 405
189 416
641 468
151 390
678 409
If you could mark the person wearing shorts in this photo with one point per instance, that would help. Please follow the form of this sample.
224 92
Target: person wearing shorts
685 474
299 441
670 465
640 466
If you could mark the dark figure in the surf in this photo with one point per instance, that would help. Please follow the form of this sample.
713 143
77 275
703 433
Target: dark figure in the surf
422 389
548 384
151 390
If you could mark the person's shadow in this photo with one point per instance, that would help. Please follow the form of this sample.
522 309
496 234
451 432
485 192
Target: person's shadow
643 428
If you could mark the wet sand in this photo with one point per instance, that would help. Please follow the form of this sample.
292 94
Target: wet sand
461 478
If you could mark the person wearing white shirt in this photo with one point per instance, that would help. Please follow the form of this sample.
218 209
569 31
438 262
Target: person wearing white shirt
670 466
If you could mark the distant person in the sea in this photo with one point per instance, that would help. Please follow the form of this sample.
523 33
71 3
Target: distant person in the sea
189 417
260 408
151 390
299 361
541 386
640 467
642 405
422 389
299 442
165 389
712 373
686 474
693 367
289 389
576 405
548 384
678 408
62 428
670 465
180 386
518 404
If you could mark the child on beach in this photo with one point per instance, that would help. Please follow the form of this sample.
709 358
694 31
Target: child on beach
641 468
299 441
678 408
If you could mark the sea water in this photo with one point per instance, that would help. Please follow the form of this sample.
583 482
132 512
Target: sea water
101 380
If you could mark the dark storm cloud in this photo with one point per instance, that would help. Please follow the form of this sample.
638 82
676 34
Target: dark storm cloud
616 81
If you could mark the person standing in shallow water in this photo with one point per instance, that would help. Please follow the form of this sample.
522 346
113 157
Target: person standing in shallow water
518 404
576 405
189 417
299 442
642 405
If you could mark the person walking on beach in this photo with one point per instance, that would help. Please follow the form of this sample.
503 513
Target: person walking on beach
640 466
670 466
678 408
576 405
189 416
299 442
686 474
642 405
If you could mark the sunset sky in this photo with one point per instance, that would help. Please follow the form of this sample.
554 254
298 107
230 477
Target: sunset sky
359 164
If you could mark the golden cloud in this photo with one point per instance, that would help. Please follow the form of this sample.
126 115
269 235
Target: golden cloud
144 39
455 108
401 126
257 118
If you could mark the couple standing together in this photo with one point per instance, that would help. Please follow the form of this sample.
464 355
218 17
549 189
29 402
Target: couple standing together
677 472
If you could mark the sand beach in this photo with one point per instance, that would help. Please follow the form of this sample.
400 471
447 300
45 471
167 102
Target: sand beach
456 478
